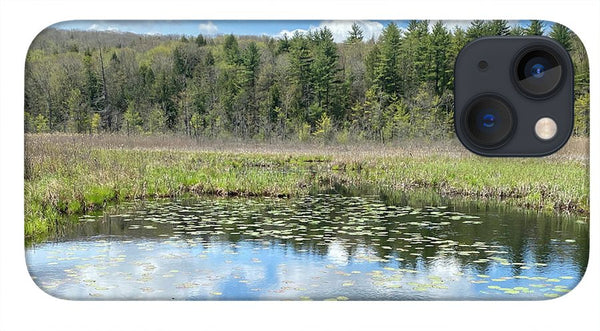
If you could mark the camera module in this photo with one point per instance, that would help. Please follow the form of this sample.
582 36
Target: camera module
513 96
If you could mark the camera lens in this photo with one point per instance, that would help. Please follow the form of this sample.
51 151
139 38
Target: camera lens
489 121
538 72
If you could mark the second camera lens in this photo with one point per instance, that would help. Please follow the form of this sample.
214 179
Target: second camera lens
538 72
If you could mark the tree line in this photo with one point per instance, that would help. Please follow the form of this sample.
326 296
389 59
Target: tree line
304 86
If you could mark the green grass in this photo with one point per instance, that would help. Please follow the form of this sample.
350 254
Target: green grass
70 175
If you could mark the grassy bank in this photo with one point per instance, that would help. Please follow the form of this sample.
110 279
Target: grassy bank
71 174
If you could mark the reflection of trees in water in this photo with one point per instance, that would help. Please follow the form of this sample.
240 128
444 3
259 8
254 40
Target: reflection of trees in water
310 226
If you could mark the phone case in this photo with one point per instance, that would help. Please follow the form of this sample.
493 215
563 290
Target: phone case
286 160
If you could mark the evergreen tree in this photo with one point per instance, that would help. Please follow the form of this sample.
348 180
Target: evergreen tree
459 40
301 59
231 49
186 58
477 29
250 64
387 70
371 62
164 94
283 45
92 88
440 69
200 40
324 67
417 57
355 34
480 28
563 35
498 28
518 30
536 28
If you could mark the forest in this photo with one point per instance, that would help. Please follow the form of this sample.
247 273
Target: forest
303 87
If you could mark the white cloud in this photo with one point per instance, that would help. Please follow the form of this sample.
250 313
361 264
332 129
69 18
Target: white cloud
340 29
466 24
337 254
289 33
208 28
453 25
97 27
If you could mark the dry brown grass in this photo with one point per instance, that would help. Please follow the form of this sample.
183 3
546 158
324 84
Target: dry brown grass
576 149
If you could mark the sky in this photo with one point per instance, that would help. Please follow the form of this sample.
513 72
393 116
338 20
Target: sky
257 28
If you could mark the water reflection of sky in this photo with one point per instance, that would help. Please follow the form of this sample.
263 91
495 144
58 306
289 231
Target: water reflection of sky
186 269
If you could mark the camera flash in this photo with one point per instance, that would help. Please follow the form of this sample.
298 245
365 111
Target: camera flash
545 128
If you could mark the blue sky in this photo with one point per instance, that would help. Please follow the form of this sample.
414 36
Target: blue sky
212 28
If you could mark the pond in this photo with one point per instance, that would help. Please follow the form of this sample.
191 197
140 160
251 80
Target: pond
319 247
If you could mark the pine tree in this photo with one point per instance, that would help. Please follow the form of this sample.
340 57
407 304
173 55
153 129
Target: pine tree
283 45
93 89
536 28
250 63
480 28
563 35
324 67
355 34
477 29
518 30
200 40
165 91
498 28
301 58
459 40
231 49
415 55
371 61
440 69
387 73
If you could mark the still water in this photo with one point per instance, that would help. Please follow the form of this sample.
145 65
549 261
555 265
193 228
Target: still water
321 247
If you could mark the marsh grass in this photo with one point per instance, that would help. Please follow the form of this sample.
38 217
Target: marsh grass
73 174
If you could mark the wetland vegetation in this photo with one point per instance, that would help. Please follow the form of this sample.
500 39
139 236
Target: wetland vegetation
72 174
